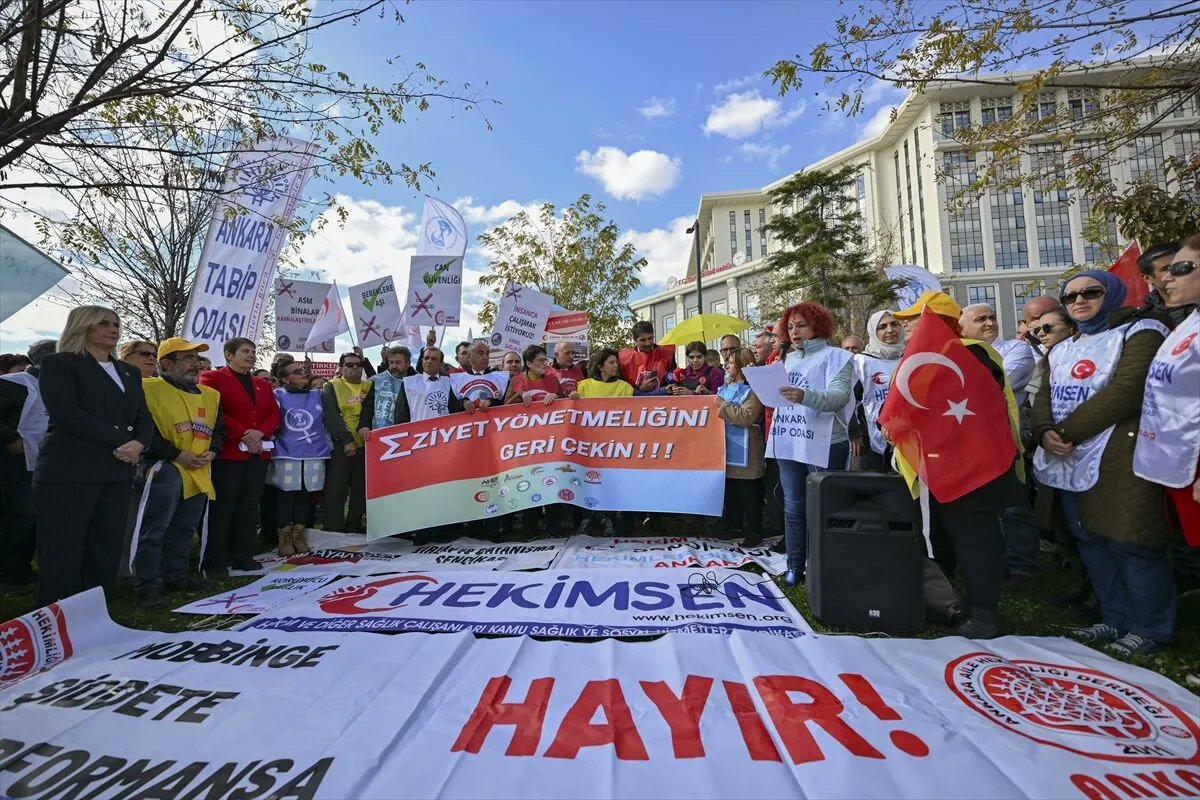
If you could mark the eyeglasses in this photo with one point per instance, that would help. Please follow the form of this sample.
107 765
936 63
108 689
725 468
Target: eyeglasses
1090 293
1047 328
145 353
727 350
1181 268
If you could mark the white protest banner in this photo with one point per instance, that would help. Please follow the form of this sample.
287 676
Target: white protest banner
331 319
237 714
916 281
331 552
264 594
297 305
520 318
443 231
434 291
377 311
236 270
564 604
583 551
569 326
466 553
28 273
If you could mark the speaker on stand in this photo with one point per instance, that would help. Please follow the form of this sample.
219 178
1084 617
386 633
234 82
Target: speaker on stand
865 553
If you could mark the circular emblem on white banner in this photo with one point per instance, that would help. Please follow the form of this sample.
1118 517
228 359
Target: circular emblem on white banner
1085 711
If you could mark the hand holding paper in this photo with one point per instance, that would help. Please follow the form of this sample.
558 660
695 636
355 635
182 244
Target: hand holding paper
767 382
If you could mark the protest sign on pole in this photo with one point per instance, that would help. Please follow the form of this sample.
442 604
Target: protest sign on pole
377 312
520 318
258 713
569 326
331 319
566 604
916 281
443 231
611 454
28 273
297 305
236 271
434 291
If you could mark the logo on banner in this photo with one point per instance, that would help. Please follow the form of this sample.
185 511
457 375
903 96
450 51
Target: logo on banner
879 379
1083 368
262 183
566 494
346 600
284 343
479 389
33 642
441 233
1084 711
482 497
592 476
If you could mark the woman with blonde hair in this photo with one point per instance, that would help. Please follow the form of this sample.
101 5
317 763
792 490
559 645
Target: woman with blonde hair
142 355
99 425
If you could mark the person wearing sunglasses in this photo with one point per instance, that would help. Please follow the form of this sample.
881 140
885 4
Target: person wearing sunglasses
1086 426
141 354
297 469
1154 265
1168 442
1052 327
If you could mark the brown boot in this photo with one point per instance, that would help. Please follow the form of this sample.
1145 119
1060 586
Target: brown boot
298 540
286 546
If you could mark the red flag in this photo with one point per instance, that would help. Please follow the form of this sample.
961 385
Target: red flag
1126 269
946 415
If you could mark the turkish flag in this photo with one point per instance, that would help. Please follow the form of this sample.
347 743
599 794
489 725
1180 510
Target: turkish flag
946 415
1126 269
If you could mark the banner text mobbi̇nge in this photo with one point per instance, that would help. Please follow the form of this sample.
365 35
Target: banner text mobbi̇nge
612 454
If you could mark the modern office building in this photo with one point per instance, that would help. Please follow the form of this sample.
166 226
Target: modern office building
1002 248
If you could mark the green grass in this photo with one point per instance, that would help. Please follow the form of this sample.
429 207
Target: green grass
1029 613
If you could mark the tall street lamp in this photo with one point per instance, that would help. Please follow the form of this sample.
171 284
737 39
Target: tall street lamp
695 231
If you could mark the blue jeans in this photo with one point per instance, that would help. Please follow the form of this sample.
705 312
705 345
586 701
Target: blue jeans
1135 585
168 524
793 477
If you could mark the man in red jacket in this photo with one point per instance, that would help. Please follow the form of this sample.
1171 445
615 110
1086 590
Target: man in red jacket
645 366
251 416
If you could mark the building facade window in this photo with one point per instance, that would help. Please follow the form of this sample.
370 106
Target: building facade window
749 240
953 116
920 204
964 225
899 207
1145 155
1093 151
1082 103
1023 293
1010 244
996 109
981 293
732 233
1187 145
750 307
689 312
762 233
1051 207
719 306
912 225
668 322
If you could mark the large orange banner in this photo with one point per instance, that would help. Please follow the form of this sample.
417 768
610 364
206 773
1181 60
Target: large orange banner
613 454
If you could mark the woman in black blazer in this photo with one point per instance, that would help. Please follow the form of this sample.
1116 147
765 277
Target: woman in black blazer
99 425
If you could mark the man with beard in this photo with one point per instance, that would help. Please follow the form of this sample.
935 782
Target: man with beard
645 365
187 417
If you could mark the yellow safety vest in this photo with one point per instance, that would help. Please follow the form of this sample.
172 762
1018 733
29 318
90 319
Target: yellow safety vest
185 420
909 472
350 399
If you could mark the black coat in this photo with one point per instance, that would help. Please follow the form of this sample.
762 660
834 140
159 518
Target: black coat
89 418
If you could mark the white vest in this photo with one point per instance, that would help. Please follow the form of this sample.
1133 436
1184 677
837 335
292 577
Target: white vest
427 399
1078 369
34 419
1168 444
799 433
875 377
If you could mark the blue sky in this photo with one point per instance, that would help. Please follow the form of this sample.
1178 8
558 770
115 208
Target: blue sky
643 105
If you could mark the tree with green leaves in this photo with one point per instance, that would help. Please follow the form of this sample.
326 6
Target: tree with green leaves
823 255
1147 210
576 257
1127 66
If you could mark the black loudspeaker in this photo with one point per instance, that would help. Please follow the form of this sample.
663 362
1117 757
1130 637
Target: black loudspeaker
865 553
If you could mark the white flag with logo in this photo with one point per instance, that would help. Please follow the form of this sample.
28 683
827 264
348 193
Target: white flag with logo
377 312
330 321
443 231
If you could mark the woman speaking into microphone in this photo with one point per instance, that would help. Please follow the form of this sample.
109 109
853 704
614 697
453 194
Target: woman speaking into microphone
810 435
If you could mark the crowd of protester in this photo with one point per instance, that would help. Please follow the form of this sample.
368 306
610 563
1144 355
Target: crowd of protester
135 450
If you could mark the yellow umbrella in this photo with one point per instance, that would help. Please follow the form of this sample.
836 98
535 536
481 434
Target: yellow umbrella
704 328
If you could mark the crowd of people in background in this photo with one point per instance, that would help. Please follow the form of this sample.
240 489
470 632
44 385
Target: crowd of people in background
131 451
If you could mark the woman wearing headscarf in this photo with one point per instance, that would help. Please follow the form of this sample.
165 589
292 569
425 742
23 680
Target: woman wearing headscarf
1086 426
873 369
811 434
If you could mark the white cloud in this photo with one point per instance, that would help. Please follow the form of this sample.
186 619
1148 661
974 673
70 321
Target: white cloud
656 108
744 114
878 123
490 216
666 251
376 240
764 151
736 83
631 176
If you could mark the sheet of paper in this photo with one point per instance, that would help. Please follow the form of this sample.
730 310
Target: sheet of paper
766 383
